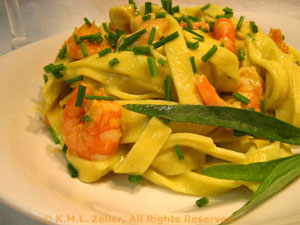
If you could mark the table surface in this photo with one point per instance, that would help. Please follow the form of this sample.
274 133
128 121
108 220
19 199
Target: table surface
46 18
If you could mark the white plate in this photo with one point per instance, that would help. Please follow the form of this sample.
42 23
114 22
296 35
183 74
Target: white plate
35 181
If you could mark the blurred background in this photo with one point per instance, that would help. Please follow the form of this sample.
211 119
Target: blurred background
42 19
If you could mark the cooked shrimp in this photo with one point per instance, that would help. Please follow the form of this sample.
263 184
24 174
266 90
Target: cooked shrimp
208 93
75 51
277 37
196 25
224 32
100 136
251 86
160 24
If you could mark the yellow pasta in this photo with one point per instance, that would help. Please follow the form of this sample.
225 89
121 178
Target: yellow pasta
117 63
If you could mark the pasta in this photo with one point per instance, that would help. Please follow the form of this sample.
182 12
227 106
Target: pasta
102 136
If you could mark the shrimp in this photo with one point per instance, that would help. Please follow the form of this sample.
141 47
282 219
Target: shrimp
101 136
75 51
224 32
277 37
196 25
160 24
251 86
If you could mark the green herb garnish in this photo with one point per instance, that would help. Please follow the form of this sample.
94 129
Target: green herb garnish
175 9
205 7
202 202
192 45
241 54
167 5
162 62
53 134
210 52
98 97
83 47
251 122
178 152
165 40
159 15
74 79
65 148
192 59
135 179
253 27
87 22
72 171
152 66
45 76
132 38
262 106
141 50
151 37
146 17
193 32
104 52
148 7
241 98
86 118
80 95
113 62
62 52
240 23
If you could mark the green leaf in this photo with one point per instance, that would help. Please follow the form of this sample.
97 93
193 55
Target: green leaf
250 172
254 123
278 178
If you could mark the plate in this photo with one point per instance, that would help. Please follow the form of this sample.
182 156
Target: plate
35 181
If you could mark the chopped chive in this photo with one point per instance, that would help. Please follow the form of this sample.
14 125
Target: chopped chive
105 27
65 148
55 70
119 33
74 79
227 10
83 47
159 15
131 2
263 106
193 64
104 52
167 5
148 7
240 23
146 17
244 100
141 50
298 63
151 37
98 97
283 37
210 52
152 66
129 40
193 32
192 45
222 45
228 16
72 171
92 38
241 54
162 62
165 40
75 37
80 95
114 62
188 22
202 202
211 26
195 19
87 22
62 52
175 9
53 134
135 179
45 78
253 27
251 36
86 118
203 30
178 152
168 87
199 39
205 7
